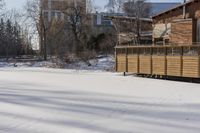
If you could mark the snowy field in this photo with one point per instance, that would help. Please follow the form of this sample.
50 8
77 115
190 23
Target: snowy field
41 100
100 63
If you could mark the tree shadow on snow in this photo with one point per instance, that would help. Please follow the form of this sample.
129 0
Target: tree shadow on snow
99 106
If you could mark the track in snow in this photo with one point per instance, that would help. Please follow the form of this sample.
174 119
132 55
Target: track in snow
36 100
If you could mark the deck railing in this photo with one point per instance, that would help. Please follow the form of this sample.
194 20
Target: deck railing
168 60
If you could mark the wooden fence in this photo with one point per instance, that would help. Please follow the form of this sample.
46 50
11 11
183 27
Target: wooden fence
179 61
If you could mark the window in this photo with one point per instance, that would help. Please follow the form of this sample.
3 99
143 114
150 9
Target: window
198 30
58 15
53 14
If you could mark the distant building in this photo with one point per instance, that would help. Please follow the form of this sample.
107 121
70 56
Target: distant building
101 19
55 18
53 9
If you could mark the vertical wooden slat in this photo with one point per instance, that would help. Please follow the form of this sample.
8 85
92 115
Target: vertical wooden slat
138 53
126 59
133 63
165 66
151 64
181 70
174 66
199 67
199 59
158 65
190 66
116 62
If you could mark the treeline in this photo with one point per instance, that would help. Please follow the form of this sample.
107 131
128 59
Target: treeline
70 31
13 40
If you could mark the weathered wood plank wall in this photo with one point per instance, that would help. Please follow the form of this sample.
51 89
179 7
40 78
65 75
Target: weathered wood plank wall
179 65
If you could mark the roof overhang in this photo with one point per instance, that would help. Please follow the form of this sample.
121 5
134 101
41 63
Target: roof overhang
175 8
129 18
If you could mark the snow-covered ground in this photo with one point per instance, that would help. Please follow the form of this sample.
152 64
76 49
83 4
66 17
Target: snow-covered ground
101 63
41 100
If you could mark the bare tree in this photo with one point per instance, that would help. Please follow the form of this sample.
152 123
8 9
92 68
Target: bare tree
90 6
79 21
35 16
2 4
11 32
139 10
51 31
67 31
114 6
2 8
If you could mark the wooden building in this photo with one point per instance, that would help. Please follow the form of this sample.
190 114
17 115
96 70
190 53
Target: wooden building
179 25
176 48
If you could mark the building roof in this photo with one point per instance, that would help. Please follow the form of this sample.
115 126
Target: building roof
160 7
129 18
175 8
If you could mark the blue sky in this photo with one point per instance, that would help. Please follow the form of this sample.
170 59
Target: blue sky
19 3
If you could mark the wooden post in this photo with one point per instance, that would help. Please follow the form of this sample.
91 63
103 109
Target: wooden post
126 59
165 54
116 69
138 53
151 54
182 54
198 66
199 60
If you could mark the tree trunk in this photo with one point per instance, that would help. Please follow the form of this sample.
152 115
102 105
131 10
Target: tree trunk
45 45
